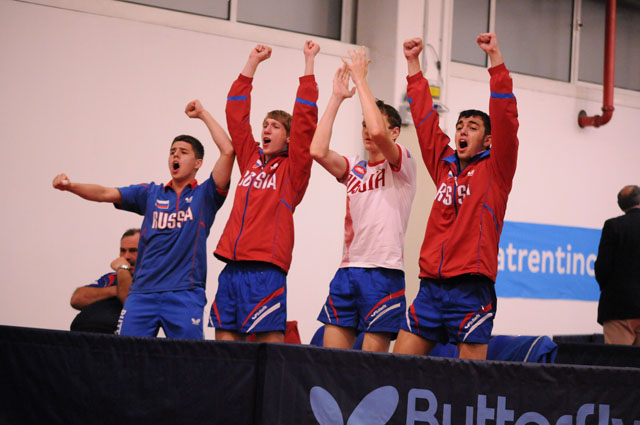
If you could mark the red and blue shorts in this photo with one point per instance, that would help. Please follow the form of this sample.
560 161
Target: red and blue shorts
251 297
367 299
460 309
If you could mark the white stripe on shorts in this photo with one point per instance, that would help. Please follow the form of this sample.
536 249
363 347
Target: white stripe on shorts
478 323
263 315
392 307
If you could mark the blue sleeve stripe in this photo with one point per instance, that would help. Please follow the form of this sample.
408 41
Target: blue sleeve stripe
502 95
306 102
288 206
428 115
410 100
237 98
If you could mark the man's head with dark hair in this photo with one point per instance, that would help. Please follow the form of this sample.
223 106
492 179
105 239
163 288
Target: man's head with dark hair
391 113
629 197
198 149
473 135
185 158
130 232
392 122
129 247
486 121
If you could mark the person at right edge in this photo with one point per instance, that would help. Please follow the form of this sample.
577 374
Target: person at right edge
456 302
618 272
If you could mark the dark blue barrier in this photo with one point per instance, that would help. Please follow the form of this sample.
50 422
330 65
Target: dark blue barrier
580 338
59 377
305 385
55 377
599 355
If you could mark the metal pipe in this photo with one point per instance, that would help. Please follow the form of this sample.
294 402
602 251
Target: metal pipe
609 72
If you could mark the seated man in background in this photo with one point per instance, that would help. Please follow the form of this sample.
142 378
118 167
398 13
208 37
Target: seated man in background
101 301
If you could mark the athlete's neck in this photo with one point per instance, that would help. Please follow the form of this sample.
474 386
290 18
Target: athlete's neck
376 157
179 185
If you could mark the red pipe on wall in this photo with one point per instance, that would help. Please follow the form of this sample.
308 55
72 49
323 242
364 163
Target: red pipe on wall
609 72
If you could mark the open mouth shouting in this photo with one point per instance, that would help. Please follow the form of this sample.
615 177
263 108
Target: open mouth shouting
175 166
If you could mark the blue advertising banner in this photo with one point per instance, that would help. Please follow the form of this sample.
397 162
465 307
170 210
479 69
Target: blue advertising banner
547 262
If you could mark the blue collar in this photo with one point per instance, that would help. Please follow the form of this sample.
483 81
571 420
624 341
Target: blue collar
453 158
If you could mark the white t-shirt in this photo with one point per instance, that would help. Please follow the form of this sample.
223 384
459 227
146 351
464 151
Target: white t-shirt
379 199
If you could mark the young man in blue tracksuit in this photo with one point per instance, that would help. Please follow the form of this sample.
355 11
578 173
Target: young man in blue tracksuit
168 288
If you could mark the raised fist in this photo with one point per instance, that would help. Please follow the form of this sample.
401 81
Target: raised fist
412 47
261 52
311 48
194 109
488 42
61 182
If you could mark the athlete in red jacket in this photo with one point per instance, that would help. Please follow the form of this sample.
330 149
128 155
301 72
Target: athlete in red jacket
257 241
458 260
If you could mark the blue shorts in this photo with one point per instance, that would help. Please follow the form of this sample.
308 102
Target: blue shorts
460 309
367 299
179 313
251 297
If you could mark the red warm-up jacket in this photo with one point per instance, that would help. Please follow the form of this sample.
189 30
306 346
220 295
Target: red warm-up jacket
260 226
466 218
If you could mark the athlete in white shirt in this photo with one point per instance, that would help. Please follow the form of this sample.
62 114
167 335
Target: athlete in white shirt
367 292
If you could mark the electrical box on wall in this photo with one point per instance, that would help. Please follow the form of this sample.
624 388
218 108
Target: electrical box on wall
405 108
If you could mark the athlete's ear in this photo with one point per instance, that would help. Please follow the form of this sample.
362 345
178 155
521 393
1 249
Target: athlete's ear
395 132
486 142
198 163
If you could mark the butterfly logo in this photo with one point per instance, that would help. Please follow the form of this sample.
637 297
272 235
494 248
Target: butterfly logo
376 408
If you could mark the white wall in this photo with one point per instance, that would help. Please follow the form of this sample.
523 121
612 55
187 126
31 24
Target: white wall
101 98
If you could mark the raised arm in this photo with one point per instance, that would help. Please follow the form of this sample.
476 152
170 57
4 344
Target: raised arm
303 122
238 108
488 42
373 119
330 160
412 48
222 169
311 49
503 110
91 192
434 144
258 54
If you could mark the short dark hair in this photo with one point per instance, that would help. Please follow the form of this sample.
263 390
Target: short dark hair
130 232
475 113
629 197
283 117
198 149
391 113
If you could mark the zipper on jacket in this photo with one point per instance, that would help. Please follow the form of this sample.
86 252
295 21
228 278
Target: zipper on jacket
441 260
455 194
244 213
